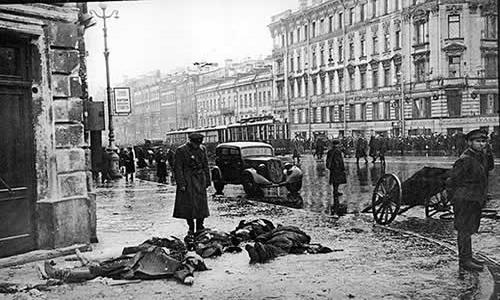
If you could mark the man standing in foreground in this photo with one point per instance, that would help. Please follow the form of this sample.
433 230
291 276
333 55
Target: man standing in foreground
467 188
193 179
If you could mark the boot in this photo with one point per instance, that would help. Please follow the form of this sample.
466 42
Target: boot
469 265
254 256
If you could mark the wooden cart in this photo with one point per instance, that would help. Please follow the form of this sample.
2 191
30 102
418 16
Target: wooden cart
426 187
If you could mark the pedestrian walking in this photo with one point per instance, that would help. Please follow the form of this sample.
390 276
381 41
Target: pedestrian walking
193 179
129 164
335 164
382 148
467 188
361 145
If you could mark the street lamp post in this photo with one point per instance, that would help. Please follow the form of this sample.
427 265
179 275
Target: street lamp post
112 149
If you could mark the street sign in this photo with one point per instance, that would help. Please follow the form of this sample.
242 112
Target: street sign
122 102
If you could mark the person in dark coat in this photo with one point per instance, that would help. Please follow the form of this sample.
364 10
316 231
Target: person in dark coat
161 167
467 188
129 164
320 149
193 178
335 163
373 148
361 145
382 148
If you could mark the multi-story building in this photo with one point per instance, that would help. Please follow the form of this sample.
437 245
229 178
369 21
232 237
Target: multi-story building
227 100
394 66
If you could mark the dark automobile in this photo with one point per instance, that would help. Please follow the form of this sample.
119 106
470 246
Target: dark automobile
254 165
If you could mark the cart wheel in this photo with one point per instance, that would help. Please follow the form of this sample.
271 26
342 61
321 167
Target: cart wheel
386 199
437 203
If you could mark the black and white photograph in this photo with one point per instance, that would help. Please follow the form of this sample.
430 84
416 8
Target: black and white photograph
236 149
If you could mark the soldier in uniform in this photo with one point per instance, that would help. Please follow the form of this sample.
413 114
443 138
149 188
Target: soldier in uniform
361 145
467 188
193 178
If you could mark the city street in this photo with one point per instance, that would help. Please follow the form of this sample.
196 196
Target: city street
368 262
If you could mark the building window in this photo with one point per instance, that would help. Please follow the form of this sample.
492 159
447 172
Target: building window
421 70
323 114
322 26
387 43
363 111
298 34
488 104
341 82
386 6
351 50
375 111
341 113
454 66
313 29
397 73
396 4
352 85
374 78
298 63
490 31
453 26
330 23
332 113
351 16
291 64
315 87
330 55
299 87
363 48
491 66
387 110
314 60
362 12
362 79
454 102
322 57
341 53
421 108
322 82
340 20
398 39
396 109
306 33
421 32
352 112
374 8
387 77
375 44
314 118
306 87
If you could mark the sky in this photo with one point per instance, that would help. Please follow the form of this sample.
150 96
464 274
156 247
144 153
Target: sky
164 35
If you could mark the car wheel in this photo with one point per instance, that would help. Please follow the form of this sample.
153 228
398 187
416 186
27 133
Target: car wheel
250 187
219 188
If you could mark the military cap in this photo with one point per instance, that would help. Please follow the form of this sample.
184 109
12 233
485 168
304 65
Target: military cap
195 135
476 134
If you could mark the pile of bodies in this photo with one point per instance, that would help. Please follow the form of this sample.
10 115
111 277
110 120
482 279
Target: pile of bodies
173 258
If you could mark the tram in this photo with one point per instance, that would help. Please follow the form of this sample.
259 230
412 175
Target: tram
263 129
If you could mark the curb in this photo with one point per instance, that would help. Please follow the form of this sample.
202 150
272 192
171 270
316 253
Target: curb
38 255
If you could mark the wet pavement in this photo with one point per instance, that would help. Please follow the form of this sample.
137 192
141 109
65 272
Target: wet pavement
371 263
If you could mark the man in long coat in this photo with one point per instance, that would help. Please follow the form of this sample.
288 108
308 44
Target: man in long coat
335 163
467 188
361 145
193 179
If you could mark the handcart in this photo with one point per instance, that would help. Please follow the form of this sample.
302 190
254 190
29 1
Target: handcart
426 187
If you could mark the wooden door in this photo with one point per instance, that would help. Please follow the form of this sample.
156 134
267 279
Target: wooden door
17 232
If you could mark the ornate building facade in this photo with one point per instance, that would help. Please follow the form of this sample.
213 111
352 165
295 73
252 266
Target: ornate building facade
392 66
228 100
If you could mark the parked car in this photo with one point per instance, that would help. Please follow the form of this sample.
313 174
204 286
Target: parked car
254 165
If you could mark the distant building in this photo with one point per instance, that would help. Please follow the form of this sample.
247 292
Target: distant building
388 66
46 191
228 100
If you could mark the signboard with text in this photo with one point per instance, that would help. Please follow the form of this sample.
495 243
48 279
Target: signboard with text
122 101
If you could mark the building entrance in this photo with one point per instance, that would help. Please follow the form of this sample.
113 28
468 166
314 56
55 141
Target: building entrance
17 199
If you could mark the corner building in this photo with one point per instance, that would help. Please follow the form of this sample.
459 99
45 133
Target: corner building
386 66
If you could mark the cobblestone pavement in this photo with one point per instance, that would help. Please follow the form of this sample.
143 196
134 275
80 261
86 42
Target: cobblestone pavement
371 263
